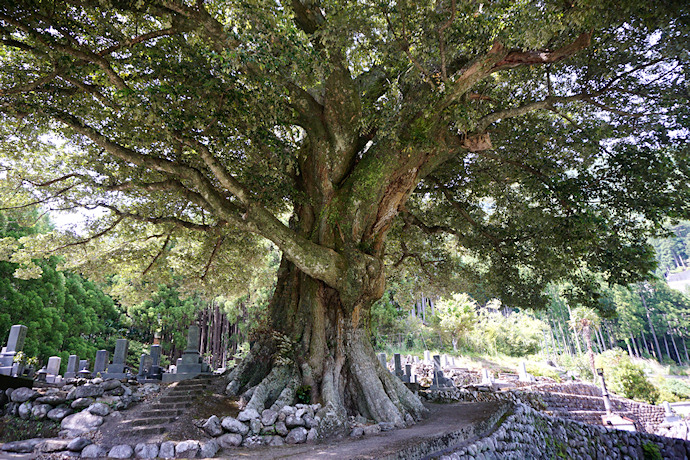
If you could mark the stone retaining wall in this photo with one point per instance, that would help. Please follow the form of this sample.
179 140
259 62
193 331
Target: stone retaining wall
529 434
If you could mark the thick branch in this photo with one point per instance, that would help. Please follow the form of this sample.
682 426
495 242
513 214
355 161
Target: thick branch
516 58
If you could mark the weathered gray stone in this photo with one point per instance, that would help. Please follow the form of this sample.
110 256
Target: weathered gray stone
86 391
22 447
24 410
292 421
212 426
247 415
276 441
269 417
187 449
372 429
121 451
209 449
53 445
282 429
81 403
81 422
255 426
167 450
40 411
233 425
78 444
20 395
99 409
309 421
93 451
387 426
297 436
111 384
53 400
229 440
312 435
143 450
357 432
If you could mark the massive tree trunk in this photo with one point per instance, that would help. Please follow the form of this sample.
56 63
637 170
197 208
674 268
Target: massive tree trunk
319 344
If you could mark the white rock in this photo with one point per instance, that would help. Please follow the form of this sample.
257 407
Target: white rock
81 422
143 450
233 425
247 415
121 451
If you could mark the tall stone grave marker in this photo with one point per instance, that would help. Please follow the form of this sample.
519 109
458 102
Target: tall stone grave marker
53 369
116 370
190 364
522 373
397 363
15 344
101 362
72 367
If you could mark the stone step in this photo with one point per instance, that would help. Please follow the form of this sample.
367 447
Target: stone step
170 406
152 421
146 430
173 399
162 413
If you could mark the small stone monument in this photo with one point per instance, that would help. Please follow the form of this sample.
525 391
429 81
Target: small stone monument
439 381
155 372
15 344
427 357
670 415
101 362
53 369
522 373
72 367
486 378
145 363
407 376
190 365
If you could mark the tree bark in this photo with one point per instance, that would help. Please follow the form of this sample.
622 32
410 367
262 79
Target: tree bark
675 348
651 326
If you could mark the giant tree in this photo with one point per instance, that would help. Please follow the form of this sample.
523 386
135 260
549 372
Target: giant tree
533 137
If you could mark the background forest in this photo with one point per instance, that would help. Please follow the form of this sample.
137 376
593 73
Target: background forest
634 330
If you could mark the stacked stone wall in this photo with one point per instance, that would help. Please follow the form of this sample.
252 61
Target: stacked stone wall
529 434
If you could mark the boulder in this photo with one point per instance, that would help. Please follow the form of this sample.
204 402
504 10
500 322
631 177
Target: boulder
20 395
372 429
255 425
81 403
312 435
59 413
99 409
212 426
276 441
53 400
81 422
247 415
229 440
292 421
93 451
209 449
111 384
78 444
22 447
24 410
85 391
297 436
233 425
357 432
167 450
40 411
281 429
53 445
143 450
121 451
187 449
269 417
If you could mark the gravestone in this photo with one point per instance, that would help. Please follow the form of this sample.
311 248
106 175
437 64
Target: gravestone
486 378
15 344
407 376
439 381
383 360
145 363
116 370
427 357
190 365
101 362
72 367
397 365
670 415
522 373
153 361
53 369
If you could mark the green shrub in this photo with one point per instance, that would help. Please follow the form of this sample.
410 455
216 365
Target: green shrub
673 390
625 378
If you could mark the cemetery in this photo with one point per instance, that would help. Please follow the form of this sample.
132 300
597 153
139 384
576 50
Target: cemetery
334 229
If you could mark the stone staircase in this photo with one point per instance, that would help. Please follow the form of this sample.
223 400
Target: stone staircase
174 401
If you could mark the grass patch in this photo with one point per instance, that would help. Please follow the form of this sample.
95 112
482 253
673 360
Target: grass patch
15 429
